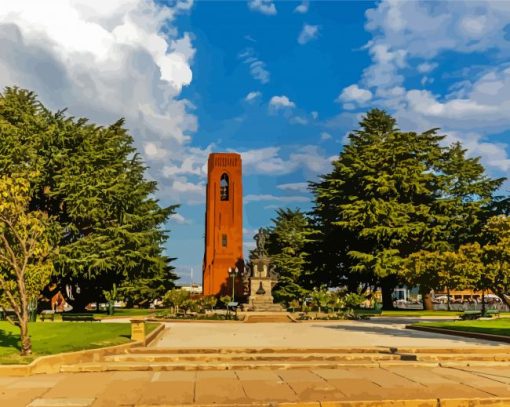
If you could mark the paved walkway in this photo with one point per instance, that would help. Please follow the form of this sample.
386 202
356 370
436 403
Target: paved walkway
375 332
256 386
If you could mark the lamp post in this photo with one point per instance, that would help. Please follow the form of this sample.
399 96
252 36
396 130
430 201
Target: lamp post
232 273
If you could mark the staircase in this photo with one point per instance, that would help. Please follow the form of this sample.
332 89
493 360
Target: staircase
161 359
273 317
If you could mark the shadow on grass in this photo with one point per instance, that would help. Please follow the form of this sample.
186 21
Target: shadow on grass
9 340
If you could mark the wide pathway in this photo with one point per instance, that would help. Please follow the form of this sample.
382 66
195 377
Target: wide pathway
254 387
319 334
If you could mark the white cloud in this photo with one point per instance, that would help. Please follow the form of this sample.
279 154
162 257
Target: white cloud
326 136
426 67
257 67
414 34
315 115
298 120
302 8
269 161
178 218
308 33
252 96
354 93
105 60
262 6
281 102
294 186
269 197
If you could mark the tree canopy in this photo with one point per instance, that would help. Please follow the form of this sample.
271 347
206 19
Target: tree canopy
91 181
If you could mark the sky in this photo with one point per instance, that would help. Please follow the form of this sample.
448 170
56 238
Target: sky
280 82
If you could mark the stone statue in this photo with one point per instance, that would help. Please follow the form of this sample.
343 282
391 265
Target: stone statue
260 238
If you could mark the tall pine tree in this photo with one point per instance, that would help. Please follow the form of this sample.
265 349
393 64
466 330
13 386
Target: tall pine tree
92 182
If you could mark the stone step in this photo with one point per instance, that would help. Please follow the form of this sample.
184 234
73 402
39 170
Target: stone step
267 318
248 358
275 350
254 365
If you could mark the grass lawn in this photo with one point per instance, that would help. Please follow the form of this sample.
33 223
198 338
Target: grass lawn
499 326
56 337
126 312
422 313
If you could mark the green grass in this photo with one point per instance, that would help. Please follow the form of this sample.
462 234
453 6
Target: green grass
499 326
423 313
49 338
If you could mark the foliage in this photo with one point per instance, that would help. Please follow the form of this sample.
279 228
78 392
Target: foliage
175 298
91 181
225 300
25 249
288 237
208 302
391 194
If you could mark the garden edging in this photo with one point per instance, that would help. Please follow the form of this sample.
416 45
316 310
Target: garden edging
51 363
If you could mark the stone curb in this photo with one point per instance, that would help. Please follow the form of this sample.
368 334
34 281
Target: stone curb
475 335
52 363
475 402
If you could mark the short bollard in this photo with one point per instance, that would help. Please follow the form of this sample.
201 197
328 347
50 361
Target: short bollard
138 330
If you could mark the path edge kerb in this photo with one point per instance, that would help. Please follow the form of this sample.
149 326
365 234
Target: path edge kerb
439 402
52 363
466 334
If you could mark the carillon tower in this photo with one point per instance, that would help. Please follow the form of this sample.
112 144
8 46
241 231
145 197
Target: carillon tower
223 224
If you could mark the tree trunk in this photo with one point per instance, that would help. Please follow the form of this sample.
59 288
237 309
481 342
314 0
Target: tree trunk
426 296
26 343
387 286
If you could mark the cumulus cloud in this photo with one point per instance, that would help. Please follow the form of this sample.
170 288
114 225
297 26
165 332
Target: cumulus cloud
298 120
302 8
105 60
326 136
354 94
269 197
178 218
294 186
262 6
414 34
281 102
270 161
257 67
252 96
308 33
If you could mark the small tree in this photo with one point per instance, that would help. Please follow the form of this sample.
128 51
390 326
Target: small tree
209 302
25 265
175 298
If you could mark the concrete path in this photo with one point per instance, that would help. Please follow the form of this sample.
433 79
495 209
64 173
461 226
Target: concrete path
375 332
258 386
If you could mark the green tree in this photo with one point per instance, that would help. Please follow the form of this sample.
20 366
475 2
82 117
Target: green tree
91 181
288 238
25 249
175 298
393 193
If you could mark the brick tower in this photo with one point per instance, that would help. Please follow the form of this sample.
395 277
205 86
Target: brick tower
223 223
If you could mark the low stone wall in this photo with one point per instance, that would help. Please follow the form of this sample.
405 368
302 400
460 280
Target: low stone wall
52 363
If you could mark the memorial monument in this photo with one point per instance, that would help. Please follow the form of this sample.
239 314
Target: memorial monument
262 277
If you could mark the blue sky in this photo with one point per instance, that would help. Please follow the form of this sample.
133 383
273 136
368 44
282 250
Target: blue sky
282 83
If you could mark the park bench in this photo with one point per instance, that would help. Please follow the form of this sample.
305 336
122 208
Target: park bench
47 314
78 317
491 313
470 315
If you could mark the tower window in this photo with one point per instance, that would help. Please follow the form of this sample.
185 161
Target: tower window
224 187
224 240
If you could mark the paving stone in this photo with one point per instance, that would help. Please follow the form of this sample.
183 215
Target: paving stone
19 397
85 385
163 392
216 386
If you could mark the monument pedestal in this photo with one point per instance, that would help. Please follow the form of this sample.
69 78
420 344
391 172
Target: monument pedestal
260 295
